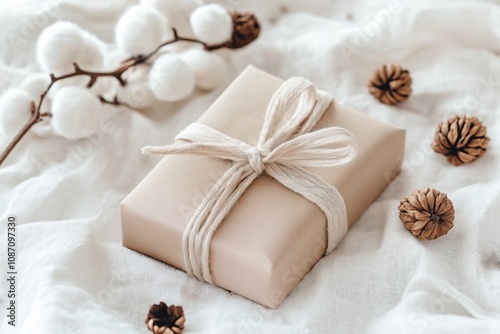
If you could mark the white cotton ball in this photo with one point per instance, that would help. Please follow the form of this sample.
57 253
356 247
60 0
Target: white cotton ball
104 86
91 57
114 58
15 110
174 10
108 89
58 46
76 112
43 129
137 73
140 30
171 78
64 43
137 95
212 24
209 69
78 81
35 85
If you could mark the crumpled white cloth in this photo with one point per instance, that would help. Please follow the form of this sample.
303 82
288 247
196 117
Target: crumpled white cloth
75 277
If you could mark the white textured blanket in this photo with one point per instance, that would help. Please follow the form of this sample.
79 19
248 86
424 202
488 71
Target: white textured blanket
75 277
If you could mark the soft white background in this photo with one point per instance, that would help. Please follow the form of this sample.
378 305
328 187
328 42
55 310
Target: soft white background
75 277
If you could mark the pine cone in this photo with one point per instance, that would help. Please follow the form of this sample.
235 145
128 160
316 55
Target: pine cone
390 84
427 214
246 29
163 319
460 139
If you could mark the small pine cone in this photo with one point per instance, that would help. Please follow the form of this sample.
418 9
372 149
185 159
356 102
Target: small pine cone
461 139
390 84
163 319
246 29
427 214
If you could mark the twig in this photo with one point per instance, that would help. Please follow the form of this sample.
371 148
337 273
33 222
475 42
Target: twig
37 116
114 102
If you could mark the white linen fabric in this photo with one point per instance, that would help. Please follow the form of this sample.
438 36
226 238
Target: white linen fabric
75 277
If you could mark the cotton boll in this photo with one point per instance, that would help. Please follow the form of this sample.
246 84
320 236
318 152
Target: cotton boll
58 46
171 78
103 85
174 10
91 57
137 73
78 81
43 129
15 110
76 112
137 95
209 69
35 85
212 24
140 30
64 43
114 58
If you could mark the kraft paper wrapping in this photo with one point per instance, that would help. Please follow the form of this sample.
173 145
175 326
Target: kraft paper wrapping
272 237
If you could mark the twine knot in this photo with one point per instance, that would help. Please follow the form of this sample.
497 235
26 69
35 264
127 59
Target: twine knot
256 157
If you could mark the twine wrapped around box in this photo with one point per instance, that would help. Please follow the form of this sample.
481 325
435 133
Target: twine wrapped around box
284 149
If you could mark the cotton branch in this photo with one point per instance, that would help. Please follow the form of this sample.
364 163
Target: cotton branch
36 114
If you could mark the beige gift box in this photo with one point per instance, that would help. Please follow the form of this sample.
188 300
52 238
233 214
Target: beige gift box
273 236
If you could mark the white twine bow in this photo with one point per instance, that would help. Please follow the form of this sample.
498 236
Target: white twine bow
283 151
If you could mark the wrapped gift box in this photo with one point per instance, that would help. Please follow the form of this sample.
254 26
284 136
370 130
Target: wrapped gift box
272 237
